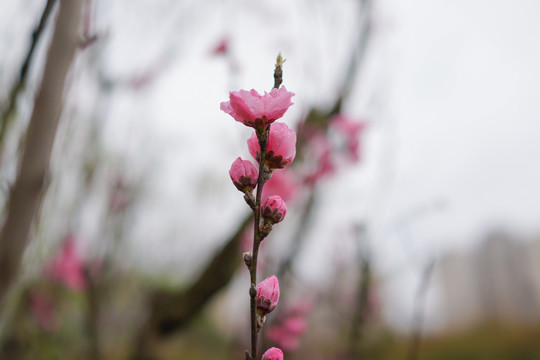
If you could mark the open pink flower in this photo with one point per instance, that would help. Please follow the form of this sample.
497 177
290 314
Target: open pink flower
273 209
243 175
67 266
267 295
273 354
281 147
255 110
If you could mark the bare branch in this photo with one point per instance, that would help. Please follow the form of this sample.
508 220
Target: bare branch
27 192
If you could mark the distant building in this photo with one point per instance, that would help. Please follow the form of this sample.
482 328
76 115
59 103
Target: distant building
499 281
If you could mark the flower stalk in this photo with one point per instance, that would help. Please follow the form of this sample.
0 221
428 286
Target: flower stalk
273 148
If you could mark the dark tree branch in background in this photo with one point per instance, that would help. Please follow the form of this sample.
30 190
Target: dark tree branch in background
361 307
27 192
419 304
299 237
23 73
172 311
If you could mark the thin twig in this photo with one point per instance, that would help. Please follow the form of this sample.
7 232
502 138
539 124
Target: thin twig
418 315
263 176
23 72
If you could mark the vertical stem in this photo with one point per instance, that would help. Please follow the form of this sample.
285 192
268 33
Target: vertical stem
92 316
262 136
416 336
263 141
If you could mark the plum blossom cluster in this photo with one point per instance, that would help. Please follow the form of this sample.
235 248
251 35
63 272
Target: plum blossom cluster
332 147
273 147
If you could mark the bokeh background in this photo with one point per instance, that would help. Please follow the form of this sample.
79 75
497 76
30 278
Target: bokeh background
422 243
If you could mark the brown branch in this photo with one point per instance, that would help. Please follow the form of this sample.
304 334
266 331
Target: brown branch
172 311
26 194
418 316
23 72
361 307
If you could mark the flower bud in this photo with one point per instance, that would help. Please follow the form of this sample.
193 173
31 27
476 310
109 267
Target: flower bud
273 354
243 175
273 209
267 295
281 147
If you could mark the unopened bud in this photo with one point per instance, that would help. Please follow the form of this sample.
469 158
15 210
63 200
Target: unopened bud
243 175
267 295
273 209
247 259
273 354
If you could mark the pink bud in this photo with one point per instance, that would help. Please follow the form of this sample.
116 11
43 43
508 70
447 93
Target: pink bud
273 209
281 148
267 295
273 354
243 175
255 110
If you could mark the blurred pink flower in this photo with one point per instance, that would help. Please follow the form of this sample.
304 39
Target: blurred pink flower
42 307
67 266
281 148
282 183
274 209
320 152
221 47
267 295
295 325
255 110
350 130
288 342
290 326
273 354
243 175
120 195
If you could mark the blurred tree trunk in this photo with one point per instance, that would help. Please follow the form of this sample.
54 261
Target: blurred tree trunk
27 192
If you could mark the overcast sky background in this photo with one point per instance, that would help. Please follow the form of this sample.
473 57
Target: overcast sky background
451 90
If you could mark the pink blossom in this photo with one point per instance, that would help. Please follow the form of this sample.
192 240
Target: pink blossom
120 196
222 47
255 110
295 325
291 325
42 307
282 183
350 130
320 151
281 147
273 354
243 175
267 295
274 209
284 339
67 266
